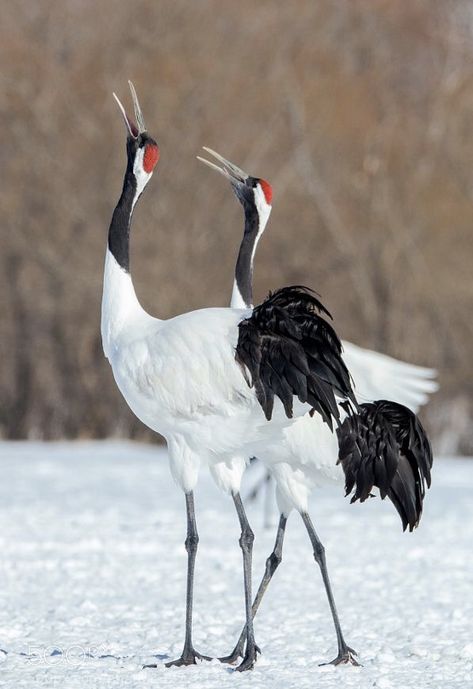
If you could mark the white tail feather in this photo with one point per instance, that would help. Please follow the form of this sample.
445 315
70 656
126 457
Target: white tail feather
378 376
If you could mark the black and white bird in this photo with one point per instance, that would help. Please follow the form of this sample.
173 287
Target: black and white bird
218 383
381 445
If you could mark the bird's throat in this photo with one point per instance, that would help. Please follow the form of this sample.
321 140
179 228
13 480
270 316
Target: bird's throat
119 232
242 296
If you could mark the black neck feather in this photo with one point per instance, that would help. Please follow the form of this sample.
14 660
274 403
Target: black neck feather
244 266
119 232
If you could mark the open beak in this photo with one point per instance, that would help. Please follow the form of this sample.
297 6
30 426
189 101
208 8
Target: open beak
134 128
233 173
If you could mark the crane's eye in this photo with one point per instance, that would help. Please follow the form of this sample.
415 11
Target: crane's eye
150 157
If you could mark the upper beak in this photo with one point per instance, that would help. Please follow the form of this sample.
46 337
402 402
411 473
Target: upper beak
134 129
228 169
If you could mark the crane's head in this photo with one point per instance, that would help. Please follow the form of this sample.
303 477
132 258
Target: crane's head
255 194
142 150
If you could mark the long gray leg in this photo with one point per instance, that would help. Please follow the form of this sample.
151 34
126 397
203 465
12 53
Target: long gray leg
189 654
272 564
246 543
345 653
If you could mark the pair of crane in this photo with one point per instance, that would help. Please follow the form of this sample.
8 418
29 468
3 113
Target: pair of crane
272 381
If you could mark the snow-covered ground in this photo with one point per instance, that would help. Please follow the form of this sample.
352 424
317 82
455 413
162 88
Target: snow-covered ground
92 580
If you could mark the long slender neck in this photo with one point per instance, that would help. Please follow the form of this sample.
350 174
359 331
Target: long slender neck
242 294
255 223
119 232
120 305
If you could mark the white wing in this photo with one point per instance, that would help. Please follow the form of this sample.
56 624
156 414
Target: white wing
378 376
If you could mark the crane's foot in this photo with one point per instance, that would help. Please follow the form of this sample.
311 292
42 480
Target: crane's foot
237 653
345 657
249 660
233 657
188 657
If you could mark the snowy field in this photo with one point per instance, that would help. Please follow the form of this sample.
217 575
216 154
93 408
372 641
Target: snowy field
92 580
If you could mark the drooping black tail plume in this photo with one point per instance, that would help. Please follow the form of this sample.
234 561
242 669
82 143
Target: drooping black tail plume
289 349
385 445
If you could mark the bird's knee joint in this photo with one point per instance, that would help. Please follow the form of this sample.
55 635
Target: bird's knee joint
191 542
273 561
319 552
247 539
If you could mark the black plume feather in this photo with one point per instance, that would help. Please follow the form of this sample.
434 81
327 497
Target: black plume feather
384 444
289 349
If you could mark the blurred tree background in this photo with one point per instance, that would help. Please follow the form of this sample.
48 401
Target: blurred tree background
360 115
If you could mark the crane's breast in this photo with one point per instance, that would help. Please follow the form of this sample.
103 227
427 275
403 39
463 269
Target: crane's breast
183 371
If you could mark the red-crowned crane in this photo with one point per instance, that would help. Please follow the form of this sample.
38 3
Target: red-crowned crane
217 383
383 445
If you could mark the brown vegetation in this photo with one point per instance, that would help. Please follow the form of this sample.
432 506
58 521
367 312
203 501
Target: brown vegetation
360 114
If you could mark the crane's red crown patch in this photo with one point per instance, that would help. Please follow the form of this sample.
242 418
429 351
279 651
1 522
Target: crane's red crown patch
267 191
150 158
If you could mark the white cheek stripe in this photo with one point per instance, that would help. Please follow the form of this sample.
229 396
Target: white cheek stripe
264 211
141 176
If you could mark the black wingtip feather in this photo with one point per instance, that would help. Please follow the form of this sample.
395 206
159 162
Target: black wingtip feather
384 444
288 349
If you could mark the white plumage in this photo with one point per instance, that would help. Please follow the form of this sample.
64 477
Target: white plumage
378 375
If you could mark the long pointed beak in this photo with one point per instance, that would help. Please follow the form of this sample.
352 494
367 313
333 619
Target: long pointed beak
228 169
134 130
136 106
